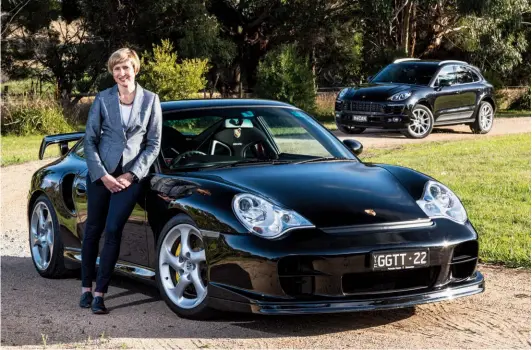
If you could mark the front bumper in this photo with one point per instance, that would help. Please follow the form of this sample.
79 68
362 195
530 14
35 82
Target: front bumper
328 269
471 286
388 115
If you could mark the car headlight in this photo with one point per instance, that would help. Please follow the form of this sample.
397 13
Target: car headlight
401 96
440 202
264 218
342 93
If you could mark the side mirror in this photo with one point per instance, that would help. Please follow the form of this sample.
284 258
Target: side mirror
369 78
443 84
355 146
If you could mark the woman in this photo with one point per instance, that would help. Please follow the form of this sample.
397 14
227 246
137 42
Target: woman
122 140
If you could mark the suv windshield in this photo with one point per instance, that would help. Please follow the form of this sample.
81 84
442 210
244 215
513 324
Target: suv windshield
406 73
214 137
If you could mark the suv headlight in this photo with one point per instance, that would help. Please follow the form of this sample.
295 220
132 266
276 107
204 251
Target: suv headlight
440 202
264 218
400 96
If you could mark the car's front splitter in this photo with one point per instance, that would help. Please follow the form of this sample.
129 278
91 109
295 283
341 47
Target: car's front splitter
471 286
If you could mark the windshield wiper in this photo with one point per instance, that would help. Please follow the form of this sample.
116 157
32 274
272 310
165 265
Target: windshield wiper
246 162
320 159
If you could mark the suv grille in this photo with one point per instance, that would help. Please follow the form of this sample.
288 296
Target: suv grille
357 106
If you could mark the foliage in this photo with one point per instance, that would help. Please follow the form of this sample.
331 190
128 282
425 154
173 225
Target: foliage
523 102
172 80
498 205
33 117
286 76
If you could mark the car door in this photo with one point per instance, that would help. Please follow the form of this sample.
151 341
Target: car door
133 248
446 94
470 88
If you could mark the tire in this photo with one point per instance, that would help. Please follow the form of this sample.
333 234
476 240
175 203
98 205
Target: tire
421 124
350 130
174 266
484 119
45 241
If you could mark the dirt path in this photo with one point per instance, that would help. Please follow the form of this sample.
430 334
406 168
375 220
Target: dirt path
36 310
377 138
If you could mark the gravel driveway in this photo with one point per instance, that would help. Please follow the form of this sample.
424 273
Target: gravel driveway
36 311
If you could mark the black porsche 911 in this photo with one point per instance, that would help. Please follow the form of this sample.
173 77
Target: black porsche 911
415 95
254 206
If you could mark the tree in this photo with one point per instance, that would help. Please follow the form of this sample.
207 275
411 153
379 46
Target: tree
285 75
172 80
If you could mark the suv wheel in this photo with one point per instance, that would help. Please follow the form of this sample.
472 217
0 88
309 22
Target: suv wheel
181 271
421 123
350 129
484 120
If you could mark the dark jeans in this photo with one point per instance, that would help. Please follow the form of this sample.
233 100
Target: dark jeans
106 211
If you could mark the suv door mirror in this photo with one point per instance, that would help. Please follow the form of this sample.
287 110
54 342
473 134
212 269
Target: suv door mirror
369 78
355 146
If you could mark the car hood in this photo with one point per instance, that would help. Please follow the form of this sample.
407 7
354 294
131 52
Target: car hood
329 194
375 92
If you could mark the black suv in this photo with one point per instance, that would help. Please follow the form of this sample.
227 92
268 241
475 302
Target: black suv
414 96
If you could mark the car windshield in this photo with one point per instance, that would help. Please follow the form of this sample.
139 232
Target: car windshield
243 136
406 73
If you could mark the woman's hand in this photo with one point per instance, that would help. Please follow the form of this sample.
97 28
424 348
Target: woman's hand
125 179
112 184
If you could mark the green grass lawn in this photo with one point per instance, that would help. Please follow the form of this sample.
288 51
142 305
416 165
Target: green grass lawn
20 149
492 178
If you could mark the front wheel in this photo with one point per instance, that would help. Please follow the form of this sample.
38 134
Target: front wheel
484 120
45 240
350 129
181 269
421 123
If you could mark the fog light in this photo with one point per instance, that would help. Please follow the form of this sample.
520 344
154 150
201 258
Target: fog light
396 120
337 115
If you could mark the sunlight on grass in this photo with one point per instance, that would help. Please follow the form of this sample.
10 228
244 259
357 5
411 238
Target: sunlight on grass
492 178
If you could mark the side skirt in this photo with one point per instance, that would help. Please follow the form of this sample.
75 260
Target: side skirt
124 268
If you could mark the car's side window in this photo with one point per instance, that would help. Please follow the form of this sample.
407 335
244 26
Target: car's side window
78 150
446 77
463 75
476 76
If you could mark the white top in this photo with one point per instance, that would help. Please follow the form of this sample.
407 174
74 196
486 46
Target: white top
125 112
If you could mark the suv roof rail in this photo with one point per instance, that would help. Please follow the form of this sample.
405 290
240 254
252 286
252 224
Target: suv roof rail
451 61
405 59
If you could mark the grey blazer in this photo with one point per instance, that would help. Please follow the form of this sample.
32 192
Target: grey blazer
106 140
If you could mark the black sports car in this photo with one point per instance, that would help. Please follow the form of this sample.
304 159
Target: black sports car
254 206
414 96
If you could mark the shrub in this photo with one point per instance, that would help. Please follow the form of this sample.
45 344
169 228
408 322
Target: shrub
523 102
33 116
286 76
161 73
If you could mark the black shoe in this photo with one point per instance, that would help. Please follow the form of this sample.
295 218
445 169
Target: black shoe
98 306
85 300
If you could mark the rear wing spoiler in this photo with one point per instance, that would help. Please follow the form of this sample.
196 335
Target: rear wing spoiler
61 139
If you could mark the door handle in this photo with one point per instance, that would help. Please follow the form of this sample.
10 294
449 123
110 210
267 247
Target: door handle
81 190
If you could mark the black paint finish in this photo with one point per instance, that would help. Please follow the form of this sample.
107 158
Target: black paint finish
306 270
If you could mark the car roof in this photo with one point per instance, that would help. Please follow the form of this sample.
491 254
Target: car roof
219 102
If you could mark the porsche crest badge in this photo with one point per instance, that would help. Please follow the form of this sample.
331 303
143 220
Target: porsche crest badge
238 132
370 212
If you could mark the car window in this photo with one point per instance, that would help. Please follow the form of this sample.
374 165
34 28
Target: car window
446 76
406 73
78 150
476 76
463 75
192 126
207 137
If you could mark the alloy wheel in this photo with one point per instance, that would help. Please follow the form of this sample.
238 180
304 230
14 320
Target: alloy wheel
420 122
182 266
42 235
486 116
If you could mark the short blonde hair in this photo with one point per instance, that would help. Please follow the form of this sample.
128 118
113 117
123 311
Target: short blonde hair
121 56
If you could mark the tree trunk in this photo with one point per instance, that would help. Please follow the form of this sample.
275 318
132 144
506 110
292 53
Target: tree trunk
405 34
413 31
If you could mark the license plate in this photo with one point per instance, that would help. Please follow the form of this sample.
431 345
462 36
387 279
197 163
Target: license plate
359 118
399 260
